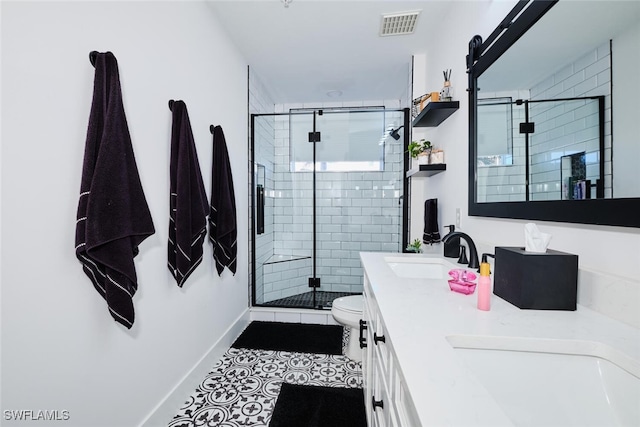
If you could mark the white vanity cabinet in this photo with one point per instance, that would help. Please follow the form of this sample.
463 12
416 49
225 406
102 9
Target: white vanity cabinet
419 375
387 401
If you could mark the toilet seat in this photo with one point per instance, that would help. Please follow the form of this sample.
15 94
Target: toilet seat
352 304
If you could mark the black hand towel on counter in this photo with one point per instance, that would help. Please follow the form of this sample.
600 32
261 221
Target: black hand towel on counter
222 216
431 232
188 200
113 216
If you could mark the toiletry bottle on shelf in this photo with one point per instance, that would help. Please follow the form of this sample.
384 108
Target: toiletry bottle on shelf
484 284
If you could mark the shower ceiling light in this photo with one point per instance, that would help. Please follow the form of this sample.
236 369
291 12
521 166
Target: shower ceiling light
395 24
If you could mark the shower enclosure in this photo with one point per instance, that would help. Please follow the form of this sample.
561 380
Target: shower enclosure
326 184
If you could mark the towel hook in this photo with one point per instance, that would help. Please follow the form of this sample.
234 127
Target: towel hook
171 104
92 57
211 128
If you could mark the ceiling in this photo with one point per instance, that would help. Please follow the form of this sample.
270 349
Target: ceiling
313 49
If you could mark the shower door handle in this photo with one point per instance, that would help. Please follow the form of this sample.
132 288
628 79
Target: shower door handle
362 339
260 209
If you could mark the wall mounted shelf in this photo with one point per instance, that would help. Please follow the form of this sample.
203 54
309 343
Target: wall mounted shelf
435 113
426 170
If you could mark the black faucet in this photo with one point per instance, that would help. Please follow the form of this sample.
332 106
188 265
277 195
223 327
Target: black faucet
452 247
473 252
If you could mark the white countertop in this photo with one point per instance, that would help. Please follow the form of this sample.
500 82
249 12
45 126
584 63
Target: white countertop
419 315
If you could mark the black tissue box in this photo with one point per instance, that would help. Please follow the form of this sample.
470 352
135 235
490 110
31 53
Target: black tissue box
539 281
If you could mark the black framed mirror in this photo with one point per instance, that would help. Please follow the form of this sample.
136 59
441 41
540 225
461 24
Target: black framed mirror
558 81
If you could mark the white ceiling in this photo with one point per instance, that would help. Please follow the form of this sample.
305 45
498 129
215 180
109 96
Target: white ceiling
312 47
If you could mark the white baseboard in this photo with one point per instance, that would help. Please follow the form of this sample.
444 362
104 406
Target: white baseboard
168 407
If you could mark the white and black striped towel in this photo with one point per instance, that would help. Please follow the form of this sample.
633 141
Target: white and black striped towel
222 215
188 200
431 232
113 216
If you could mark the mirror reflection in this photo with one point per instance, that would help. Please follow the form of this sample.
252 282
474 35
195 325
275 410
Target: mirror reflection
557 113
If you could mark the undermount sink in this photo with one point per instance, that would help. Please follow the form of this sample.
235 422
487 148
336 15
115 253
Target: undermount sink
418 268
555 382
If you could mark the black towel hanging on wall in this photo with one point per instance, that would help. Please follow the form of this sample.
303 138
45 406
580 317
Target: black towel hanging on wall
187 198
431 232
113 216
222 215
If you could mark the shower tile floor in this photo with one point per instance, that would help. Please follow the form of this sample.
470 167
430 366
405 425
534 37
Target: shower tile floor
324 299
242 388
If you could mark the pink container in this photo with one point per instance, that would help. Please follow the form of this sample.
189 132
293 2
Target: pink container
462 281
462 287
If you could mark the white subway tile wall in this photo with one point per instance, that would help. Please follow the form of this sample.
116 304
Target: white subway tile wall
285 277
571 127
260 102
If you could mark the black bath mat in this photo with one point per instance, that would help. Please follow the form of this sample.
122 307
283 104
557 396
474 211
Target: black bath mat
314 406
299 337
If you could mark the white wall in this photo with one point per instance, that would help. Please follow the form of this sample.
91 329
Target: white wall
60 348
614 250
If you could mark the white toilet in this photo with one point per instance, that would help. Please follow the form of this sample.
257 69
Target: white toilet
348 311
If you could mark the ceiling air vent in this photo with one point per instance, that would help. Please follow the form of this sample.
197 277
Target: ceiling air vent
398 23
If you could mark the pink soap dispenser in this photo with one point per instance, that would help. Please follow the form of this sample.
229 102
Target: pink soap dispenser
484 284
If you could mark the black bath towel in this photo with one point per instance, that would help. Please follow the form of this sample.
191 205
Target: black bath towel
113 216
222 216
187 199
431 232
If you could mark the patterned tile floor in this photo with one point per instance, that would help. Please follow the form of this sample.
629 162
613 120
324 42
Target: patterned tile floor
242 388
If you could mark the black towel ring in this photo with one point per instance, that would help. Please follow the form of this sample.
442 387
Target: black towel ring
171 104
211 128
92 57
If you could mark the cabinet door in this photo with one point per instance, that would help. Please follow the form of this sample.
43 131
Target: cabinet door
380 403
405 410
380 342
367 361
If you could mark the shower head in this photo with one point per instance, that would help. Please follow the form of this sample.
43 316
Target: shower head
394 133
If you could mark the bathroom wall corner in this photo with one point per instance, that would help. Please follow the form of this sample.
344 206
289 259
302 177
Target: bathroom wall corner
162 413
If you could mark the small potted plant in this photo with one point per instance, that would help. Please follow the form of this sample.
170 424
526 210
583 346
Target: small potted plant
420 150
416 246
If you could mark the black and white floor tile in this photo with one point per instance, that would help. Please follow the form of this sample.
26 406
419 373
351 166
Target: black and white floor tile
242 388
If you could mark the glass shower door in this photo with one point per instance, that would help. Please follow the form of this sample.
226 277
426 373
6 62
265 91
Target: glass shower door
318 215
358 178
